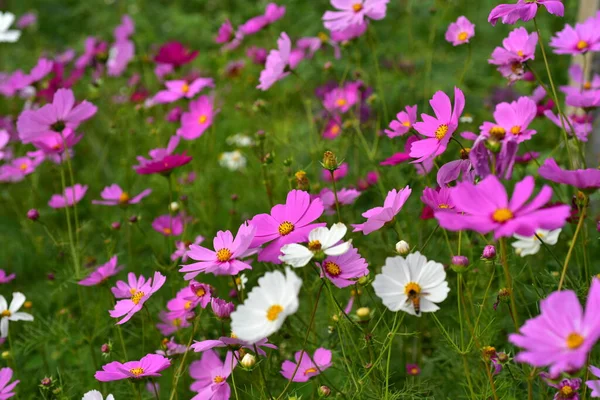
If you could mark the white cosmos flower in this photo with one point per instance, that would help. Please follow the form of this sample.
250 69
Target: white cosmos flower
411 284
11 313
8 35
531 245
321 242
96 395
267 306
232 160
240 282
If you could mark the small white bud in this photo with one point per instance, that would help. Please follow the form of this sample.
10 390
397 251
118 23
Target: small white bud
174 206
402 248
248 361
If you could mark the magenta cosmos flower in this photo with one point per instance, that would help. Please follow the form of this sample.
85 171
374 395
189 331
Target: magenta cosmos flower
594 384
512 120
113 195
149 366
581 83
169 225
585 179
288 223
517 48
225 259
438 129
198 119
306 366
377 217
221 308
582 38
225 33
162 161
55 117
6 388
179 89
181 248
71 196
582 128
353 12
234 342
403 122
438 199
342 99
4 278
210 376
460 32
175 54
563 334
399 158
333 128
102 273
277 61
170 324
524 10
486 207
343 270
338 174
350 33
128 307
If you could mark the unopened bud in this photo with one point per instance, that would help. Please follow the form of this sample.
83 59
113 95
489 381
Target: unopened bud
33 214
459 263
489 252
248 361
503 357
324 391
174 206
504 294
464 153
46 382
402 248
488 352
363 280
116 225
133 219
302 182
493 146
330 161
27 305
6 354
363 313
105 348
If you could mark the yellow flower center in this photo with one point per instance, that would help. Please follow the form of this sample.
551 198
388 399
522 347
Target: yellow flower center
137 371
233 335
285 228
310 371
6 313
185 88
520 53
587 86
335 129
137 297
406 124
177 322
273 312
223 255
340 102
441 131
167 231
502 215
202 119
132 291
414 371
582 45
124 198
332 268
412 289
23 166
515 130
566 390
200 292
219 379
357 7
498 132
463 36
323 37
314 245
187 305
574 341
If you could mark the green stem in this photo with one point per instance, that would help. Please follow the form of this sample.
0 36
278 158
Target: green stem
509 282
572 246
180 368
395 327
337 202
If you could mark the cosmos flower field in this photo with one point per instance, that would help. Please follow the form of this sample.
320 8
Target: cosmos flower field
345 199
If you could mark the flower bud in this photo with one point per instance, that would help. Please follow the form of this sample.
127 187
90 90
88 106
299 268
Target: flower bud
302 182
464 153
105 348
363 280
459 264
324 391
133 219
330 161
248 361
363 313
488 352
116 225
503 357
46 382
402 248
504 294
6 354
33 214
174 206
489 252
27 305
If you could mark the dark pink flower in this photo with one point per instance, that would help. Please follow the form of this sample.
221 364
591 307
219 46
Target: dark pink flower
342 99
71 196
258 55
113 195
149 366
225 33
163 161
175 54
524 10
102 273
333 128
221 308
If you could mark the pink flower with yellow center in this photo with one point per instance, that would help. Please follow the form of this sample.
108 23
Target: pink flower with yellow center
138 296
198 119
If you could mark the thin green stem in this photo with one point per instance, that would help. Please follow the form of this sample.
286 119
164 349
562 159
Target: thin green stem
337 202
509 282
572 246
389 357
180 368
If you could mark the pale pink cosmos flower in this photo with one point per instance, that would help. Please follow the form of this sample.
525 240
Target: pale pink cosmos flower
225 259
102 273
180 89
169 325
333 128
460 32
149 366
224 341
123 50
353 12
581 84
314 44
338 174
438 129
210 376
122 290
342 99
55 143
169 225
584 179
198 119
403 123
71 196
350 33
171 347
4 278
55 117
306 366
377 217
181 248
26 20
345 197
580 39
518 48
277 61
113 195
6 388
183 304
221 308
343 270
582 129
126 308
512 121
485 207
288 223
594 384
524 10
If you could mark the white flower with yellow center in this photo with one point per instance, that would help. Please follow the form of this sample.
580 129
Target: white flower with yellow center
96 395
321 242
10 313
267 306
8 35
411 284
528 245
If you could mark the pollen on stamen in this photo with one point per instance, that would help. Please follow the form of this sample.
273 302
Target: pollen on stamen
441 131
341 102
137 297
273 312
574 341
224 255
185 88
463 36
314 245
582 45
502 215
137 371
310 371
515 130
357 7
202 119
167 231
285 228
332 268
124 198
219 379
5 313
587 85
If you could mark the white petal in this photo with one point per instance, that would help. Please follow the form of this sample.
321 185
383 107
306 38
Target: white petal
10 36
21 316
94 395
319 234
295 255
17 301
3 304
336 233
339 249
390 292
4 327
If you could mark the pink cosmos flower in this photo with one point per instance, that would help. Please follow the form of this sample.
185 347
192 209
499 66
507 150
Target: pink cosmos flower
594 384
26 20
210 376
585 179
403 122
342 99
399 158
343 270
149 366
181 248
309 366
273 12
128 307
221 308
162 161
224 341
563 334
512 120
353 12
584 99
185 301
439 199
170 324
345 197
288 223
582 85
113 195
123 290
55 117
460 32
257 55
225 33
567 388
377 217
539 95
333 128
253 25
438 129
171 348
524 10
517 48
582 129
579 40
54 142
225 259
175 54
198 119
486 207
102 273
179 89
486 162
119 56
277 61
168 225
4 278
350 33
338 174
71 196
314 44
6 389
